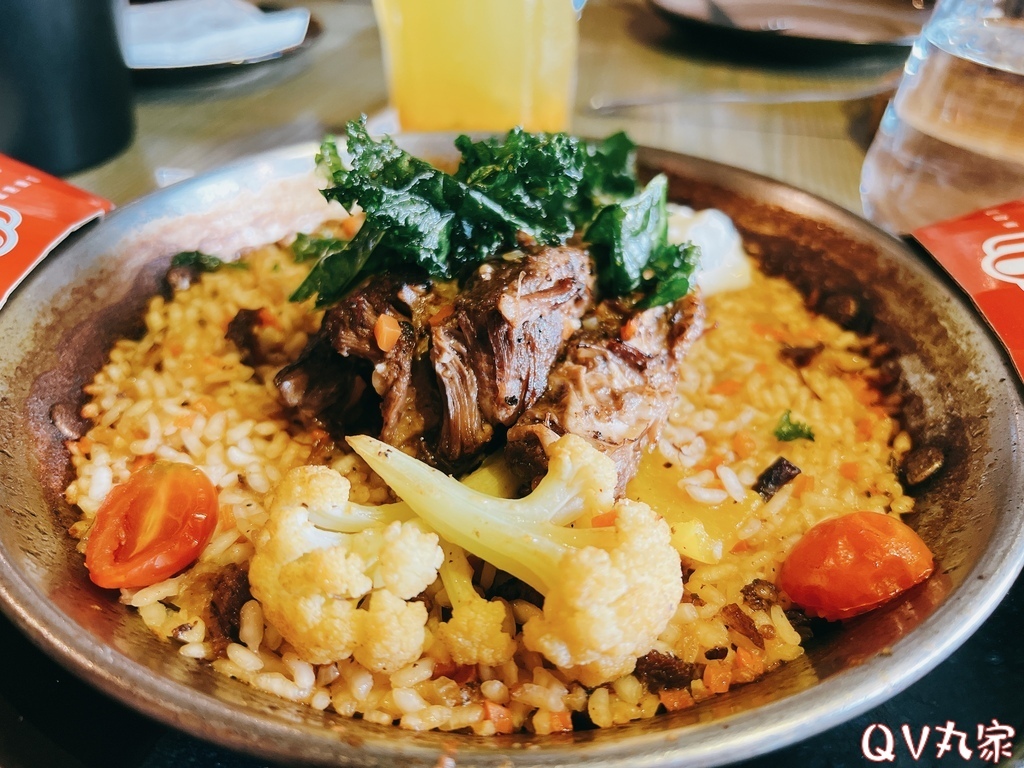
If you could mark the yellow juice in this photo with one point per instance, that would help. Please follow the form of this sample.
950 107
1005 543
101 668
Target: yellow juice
485 65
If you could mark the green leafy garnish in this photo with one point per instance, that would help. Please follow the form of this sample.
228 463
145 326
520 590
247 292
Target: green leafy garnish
543 186
629 240
204 262
787 429
306 248
536 176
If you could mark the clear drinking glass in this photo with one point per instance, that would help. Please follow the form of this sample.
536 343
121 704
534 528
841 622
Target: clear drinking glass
952 139
480 65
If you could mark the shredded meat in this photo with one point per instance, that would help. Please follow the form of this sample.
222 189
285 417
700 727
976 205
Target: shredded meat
493 354
613 386
344 382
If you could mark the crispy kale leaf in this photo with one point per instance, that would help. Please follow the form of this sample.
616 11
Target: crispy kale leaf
537 176
544 186
629 239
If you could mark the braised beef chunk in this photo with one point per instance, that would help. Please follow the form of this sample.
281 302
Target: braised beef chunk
659 671
346 383
493 353
613 386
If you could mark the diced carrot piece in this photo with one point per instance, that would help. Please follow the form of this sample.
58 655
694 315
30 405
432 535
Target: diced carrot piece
204 405
465 673
865 427
744 444
386 331
85 444
560 721
709 462
727 387
604 520
676 699
441 315
769 332
802 484
740 546
268 318
499 715
443 669
850 470
748 665
717 676
629 330
174 349
185 420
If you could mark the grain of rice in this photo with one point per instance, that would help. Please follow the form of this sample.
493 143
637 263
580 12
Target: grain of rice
360 681
377 716
703 495
196 650
783 628
495 690
244 658
279 685
731 483
152 594
538 696
302 672
599 708
417 672
320 699
628 689
408 700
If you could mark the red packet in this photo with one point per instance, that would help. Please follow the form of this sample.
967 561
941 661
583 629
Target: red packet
984 252
37 211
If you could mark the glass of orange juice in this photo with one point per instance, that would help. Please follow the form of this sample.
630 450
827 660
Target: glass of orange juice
480 65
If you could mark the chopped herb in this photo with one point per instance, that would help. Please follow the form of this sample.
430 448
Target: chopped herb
204 262
787 429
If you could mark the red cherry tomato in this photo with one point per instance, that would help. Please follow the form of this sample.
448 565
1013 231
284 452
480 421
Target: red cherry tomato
151 526
850 564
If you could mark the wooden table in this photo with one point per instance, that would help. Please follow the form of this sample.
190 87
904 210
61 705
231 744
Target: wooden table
722 106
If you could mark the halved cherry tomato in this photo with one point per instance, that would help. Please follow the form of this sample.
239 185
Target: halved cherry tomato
850 564
151 526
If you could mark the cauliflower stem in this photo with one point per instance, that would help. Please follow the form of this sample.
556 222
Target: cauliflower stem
609 591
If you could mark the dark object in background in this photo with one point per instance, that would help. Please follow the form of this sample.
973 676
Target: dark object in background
65 92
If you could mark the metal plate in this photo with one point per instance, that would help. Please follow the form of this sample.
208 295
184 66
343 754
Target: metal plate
60 322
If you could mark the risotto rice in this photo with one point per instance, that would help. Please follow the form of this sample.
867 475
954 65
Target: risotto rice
183 393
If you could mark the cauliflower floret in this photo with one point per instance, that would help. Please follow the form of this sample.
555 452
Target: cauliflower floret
609 591
311 581
479 631
610 605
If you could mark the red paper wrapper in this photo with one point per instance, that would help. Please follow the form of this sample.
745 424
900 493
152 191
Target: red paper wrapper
984 252
37 211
